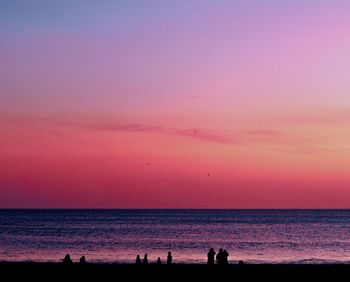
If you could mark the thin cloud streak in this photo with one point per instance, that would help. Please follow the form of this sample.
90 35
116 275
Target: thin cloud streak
269 139
139 127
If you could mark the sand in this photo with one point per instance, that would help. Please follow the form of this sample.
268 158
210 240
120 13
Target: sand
176 272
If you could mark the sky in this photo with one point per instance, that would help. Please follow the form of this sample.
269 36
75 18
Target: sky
174 104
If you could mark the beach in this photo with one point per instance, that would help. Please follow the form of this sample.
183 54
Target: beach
175 272
275 245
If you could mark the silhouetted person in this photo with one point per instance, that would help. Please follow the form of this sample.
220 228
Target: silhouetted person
241 262
67 260
211 256
219 257
159 261
169 258
138 260
82 260
145 259
225 255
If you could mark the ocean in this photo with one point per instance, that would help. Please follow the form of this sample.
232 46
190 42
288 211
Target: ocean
109 236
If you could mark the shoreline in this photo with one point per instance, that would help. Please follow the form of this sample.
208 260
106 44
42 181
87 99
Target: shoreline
232 263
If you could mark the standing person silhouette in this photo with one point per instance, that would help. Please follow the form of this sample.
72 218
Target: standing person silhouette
138 260
145 259
211 256
169 258
219 256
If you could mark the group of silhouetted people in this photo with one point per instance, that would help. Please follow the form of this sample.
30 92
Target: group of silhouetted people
68 261
221 257
169 259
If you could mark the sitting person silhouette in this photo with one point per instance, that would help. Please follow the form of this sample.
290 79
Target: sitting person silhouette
145 259
138 260
211 256
169 258
67 260
82 260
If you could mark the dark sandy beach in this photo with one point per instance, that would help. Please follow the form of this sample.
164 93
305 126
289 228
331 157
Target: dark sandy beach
175 272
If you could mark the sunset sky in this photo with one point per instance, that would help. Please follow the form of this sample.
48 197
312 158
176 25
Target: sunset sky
175 104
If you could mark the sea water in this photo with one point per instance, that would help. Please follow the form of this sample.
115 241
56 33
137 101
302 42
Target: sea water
108 236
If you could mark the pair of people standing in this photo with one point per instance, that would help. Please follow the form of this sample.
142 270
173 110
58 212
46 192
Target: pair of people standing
139 261
221 257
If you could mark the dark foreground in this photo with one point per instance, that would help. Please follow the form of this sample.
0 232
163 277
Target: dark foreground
176 272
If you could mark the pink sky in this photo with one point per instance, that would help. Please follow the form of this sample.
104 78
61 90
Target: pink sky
127 105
